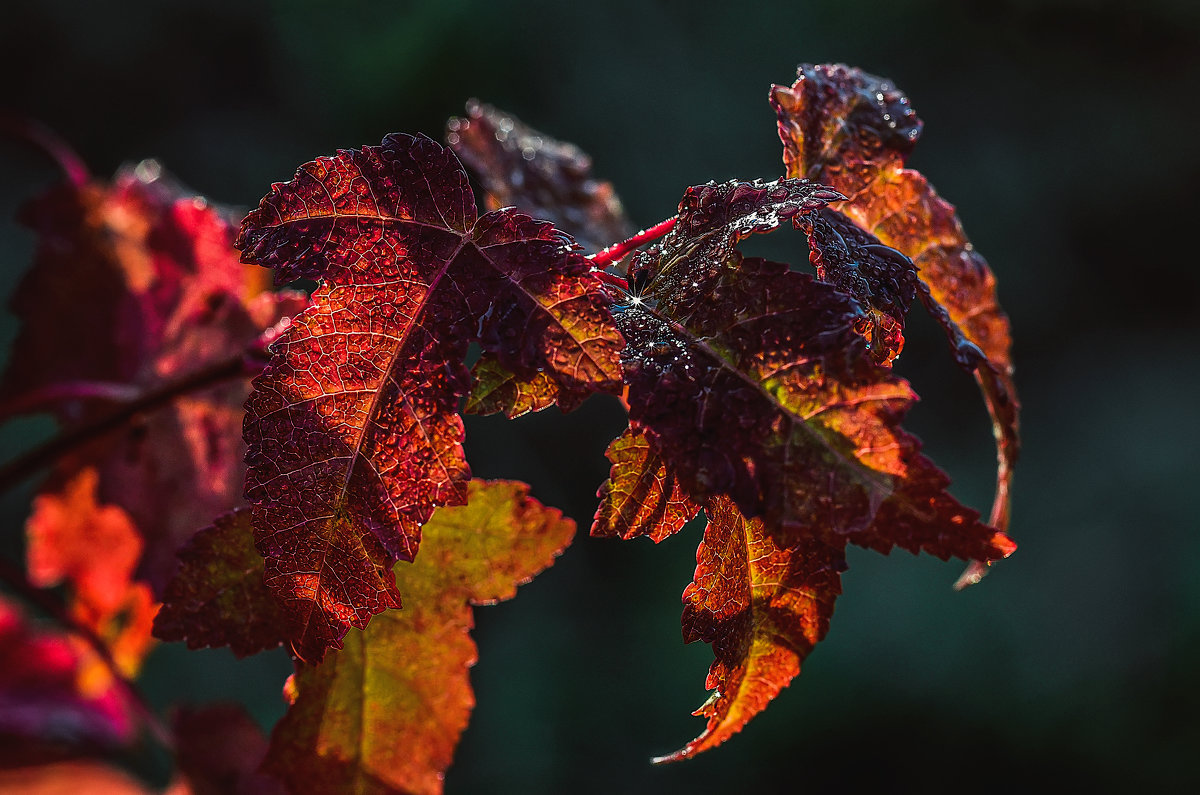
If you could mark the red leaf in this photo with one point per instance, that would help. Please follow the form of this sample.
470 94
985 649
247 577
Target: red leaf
853 131
46 692
217 598
882 279
385 712
94 550
766 394
763 600
353 428
641 496
523 168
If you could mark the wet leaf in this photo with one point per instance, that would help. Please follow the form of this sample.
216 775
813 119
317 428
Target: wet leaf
353 429
384 713
540 176
217 598
880 278
852 130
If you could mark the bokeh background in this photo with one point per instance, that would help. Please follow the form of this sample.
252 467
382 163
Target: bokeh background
1064 131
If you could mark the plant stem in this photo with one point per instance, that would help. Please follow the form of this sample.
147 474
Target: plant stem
14 578
71 390
617 251
32 461
47 141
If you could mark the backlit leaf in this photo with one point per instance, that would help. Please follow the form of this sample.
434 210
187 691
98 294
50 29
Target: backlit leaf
641 496
353 428
852 130
763 600
384 713
217 598
540 176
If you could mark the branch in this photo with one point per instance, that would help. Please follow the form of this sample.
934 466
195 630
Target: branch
240 365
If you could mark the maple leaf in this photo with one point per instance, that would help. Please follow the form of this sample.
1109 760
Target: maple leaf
752 387
353 432
405 677
147 272
852 130
540 176
217 598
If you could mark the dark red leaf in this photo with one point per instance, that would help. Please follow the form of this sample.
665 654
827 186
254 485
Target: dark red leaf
523 168
219 749
853 131
217 598
353 428
882 279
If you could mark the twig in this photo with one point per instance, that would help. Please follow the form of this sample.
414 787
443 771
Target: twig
14 472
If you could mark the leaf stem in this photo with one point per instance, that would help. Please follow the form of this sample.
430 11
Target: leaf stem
617 251
15 579
240 365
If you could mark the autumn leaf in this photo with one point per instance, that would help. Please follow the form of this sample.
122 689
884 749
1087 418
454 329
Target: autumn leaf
353 431
217 598
94 549
147 272
763 600
853 131
880 278
383 714
641 496
521 167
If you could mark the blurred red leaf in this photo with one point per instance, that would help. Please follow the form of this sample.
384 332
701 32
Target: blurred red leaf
47 692
384 713
93 549
147 273
219 751
353 428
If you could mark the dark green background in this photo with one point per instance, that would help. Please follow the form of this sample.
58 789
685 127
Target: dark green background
1065 134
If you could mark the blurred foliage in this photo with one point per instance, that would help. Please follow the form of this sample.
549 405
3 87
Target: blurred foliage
1058 128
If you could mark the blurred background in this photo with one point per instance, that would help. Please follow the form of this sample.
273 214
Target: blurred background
1062 130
